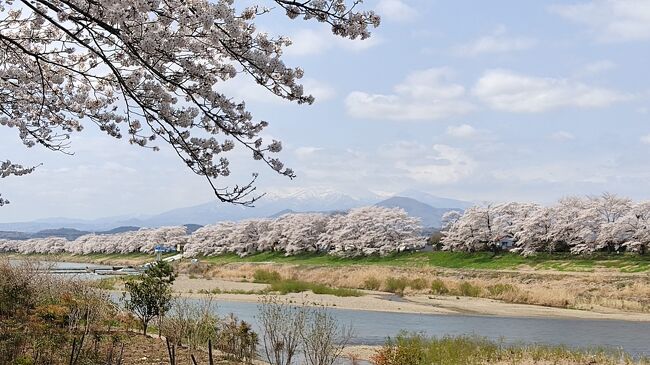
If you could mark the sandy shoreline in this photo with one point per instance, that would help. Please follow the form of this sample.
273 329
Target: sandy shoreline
387 302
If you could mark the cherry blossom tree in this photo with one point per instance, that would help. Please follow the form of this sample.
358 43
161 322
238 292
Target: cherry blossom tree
581 225
151 70
7 169
295 233
372 230
143 240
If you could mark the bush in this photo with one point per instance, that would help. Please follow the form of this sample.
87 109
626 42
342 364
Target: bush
371 283
237 340
42 316
266 276
418 284
500 289
438 287
467 289
396 285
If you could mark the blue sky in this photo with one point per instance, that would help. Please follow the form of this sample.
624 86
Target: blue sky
477 100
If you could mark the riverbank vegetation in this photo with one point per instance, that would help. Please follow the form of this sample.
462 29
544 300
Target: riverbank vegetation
587 291
54 320
280 285
51 320
415 349
565 262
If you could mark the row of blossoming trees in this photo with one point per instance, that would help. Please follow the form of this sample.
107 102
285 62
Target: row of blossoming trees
580 225
361 231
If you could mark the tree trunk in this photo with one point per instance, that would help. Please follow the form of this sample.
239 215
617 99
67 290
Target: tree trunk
144 327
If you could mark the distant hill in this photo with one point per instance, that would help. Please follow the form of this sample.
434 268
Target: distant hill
120 229
430 216
67 233
13 235
420 204
435 201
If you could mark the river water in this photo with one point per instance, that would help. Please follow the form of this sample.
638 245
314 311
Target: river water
372 328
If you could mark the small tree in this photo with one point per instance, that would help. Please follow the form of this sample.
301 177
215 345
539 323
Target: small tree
282 326
150 296
323 338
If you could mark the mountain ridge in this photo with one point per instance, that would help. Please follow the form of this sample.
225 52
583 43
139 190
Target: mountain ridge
301 201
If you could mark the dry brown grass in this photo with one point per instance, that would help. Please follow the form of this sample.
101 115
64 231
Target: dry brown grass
594 291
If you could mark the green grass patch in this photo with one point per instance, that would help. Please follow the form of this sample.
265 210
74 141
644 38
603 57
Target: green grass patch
298 286
456 260
453 260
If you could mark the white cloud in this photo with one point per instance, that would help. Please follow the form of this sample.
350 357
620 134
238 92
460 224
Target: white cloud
443 165
462 131
308 42
562 136
599 67
423 95
645 139
611 20
395 10
508 91
497 42
304 152
395 165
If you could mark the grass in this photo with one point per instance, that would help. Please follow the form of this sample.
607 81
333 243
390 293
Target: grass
456 260
298 286
467 289
416 349
439 287
441 259
266 276
286 286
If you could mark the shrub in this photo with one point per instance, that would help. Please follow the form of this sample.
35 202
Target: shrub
396 285
438 287
371 283
237 340
500 289
467 289
418 284
266 276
